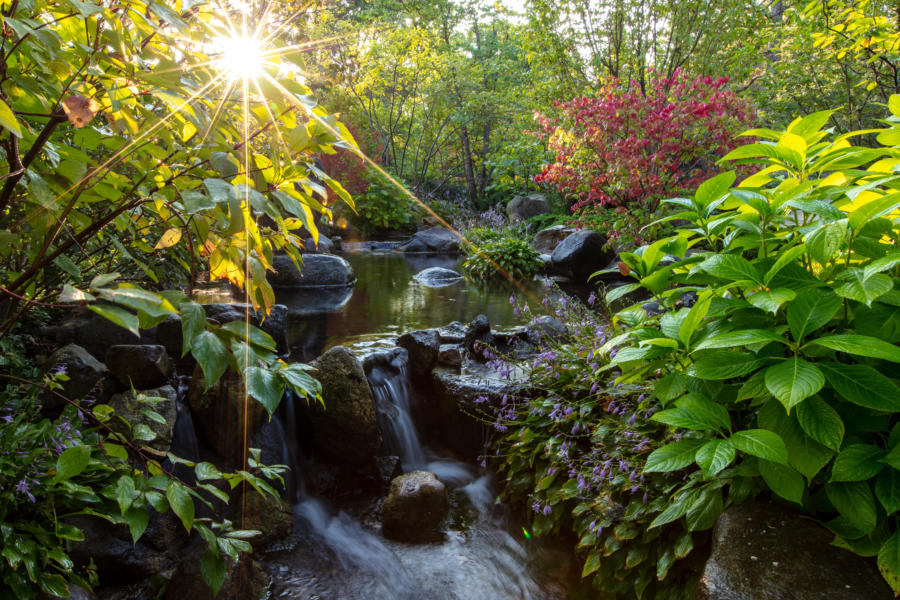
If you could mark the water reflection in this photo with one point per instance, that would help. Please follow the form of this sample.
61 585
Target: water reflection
385 302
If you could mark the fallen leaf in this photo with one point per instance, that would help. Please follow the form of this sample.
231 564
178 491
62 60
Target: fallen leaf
624 269
80 110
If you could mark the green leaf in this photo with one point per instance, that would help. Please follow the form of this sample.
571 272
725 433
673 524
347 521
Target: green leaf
810 310
793 380
714 456
731 267
672 457
860 345
825 242
617 292
887 489
804 453
855 502
762 444
266 387
211 355
72 462
857 462
889 562
873 210
744 337
137 520
193 321
55 584
784 257
862 385
771 300
725 365
864 289
8 120
712 413
706 509
205 470
593 562
213 570
821 422
180 501
119 316
297 376
258 337
125 493
714 189
784 481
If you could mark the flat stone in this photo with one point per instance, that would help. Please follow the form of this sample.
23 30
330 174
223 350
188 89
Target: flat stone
437 277
450 355
439 240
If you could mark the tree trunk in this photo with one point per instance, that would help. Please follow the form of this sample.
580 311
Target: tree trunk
467 164
485 148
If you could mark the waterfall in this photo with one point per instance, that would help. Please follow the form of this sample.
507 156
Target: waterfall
291 455
389 380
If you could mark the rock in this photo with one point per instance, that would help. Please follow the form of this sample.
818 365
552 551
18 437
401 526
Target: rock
337 242
435 240
244 580
141 367
450 355
317 270
169 336
436 277
130 407
325 246
218 414
580 255
314 300
415 508
545 329
478 337
423 347
389 467
94 333
546 240
270 515
454 333
346 430
525 207
762 551
83 370
652 309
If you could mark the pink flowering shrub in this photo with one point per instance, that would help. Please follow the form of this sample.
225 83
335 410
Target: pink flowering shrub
624 146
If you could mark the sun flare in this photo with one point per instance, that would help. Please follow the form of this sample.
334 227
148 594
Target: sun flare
240 57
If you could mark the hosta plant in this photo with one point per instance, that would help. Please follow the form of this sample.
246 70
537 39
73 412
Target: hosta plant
782 374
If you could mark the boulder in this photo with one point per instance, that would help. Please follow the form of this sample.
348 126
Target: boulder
435 240
453 333
525 207
546 240
325 246
762 551
244 579
337 242
139 366
346 430
437 277
317 270
478 337
130 407
169 336
270 515
581 254
389 468
218 414
450 355
423 347
545 329
274 323
83 370
94 333
415 508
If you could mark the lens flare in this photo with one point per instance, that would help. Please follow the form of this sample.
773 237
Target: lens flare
241 58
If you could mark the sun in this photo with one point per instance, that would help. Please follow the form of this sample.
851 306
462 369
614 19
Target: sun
241 58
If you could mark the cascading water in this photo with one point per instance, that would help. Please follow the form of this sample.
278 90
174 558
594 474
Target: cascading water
389 380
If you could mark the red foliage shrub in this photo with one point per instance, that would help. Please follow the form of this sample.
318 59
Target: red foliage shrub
624 146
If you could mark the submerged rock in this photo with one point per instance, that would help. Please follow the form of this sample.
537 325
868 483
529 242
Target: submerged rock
581 254
525 207
139 366
435 240
436 277
546 240
415 508
762 551
325 270
346 430
83 370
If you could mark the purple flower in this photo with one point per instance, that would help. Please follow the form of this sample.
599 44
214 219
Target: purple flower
7 418
592 299
22 487
547 510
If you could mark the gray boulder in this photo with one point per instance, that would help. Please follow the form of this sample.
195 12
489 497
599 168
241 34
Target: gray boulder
478 338
139 366
450 355
82 369
317 270
581 254
546 240
423 347
435 240
452 333
325 246
94 333
525 207
346 430
415 508
274 323
437 277
545 329
762 551
130 407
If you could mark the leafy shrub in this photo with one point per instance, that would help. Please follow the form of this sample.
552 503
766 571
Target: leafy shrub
383 207
624 147
503 256
624 227
782 375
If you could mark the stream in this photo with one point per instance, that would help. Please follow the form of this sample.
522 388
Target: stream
339 553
